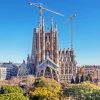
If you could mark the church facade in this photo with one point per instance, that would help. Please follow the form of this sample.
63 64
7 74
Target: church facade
46 59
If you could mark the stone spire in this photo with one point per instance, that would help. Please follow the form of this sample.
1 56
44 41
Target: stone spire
72 55
56 45
33 54
52 22
51 39
39 44
43 26
43 40
28 59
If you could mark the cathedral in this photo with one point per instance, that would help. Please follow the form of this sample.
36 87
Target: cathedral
47 59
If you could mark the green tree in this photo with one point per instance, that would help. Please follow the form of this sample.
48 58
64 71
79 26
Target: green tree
89 78
72 81
11 89
45 88
82 78
83 91
8 92
13 96
42 93
77 79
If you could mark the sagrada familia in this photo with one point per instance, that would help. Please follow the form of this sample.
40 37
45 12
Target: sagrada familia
47 59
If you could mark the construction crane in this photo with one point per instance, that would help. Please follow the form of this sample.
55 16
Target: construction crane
71 29
40 6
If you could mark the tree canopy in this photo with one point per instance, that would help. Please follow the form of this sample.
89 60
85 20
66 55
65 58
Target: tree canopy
83 91
11 89
46 88
8 92
13 96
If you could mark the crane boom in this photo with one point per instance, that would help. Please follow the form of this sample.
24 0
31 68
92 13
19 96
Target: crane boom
53 12
34 4
43 8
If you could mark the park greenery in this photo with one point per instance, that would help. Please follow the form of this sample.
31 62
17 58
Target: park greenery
82 91
8 92
45 89
48 89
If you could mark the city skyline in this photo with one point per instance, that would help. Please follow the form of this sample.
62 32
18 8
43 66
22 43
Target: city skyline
18 20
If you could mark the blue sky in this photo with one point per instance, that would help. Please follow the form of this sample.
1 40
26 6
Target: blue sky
17 20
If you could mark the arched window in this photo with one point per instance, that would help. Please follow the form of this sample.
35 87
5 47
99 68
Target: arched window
48 73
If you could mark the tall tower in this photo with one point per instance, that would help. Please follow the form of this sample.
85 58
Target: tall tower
43 40
71 34
52 39
56 46
39 41
34 46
